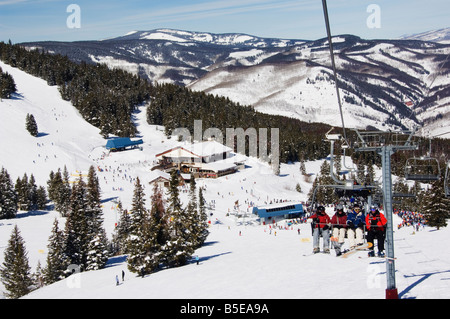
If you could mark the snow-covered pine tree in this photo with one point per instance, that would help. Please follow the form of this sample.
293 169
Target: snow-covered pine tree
15 271
59 190
63 193
157 226
32 188
76 228
97 255
136 242
178 249
436 205
98 243
38 277
302 167
7 85
57 261
31 125
8 196
203 225
21 188
192 215
122 231
41 197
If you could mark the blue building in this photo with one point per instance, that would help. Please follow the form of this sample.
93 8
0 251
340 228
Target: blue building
286 209
122 143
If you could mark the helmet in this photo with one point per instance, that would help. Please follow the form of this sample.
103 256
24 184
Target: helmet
321 209
339 207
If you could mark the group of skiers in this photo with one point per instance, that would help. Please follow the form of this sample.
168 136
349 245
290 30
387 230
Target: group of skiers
352 224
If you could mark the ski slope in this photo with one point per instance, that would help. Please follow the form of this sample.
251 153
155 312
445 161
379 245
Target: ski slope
241 258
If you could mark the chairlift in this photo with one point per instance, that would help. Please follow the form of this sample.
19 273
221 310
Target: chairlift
422 169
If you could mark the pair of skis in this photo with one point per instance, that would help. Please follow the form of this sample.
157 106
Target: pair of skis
349 252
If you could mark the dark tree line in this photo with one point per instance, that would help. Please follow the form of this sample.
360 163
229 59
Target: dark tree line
23 195
7 85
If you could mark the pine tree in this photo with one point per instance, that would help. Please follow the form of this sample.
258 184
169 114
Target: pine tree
41 197
98 243
7 85
64 192
57 261
38 276
178 247
203 225
8 196
76 228
192 215
23 191
15 272
136 239
436 206
97 255
32 189
157 214
31 125
302 167
122 230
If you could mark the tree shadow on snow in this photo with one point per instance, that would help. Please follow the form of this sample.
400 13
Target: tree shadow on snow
205 258
422 278
24 214
115 260
42 134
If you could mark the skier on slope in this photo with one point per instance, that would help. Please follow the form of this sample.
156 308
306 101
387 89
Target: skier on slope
321 227
339 224
355 223
376 229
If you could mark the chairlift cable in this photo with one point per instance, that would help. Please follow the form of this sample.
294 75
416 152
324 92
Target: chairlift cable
330 43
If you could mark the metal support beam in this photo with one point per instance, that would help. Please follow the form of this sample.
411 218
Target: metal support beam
386 152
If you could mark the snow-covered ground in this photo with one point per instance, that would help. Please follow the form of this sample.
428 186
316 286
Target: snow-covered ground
262 262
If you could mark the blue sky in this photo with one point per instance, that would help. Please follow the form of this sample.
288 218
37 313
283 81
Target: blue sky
38 20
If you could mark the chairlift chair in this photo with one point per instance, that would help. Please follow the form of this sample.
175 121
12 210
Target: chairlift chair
422 169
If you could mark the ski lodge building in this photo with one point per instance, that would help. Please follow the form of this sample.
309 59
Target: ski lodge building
208 159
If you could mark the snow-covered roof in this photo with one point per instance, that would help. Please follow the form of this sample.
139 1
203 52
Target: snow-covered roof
218 166
278 205
159 174
207 148
202 149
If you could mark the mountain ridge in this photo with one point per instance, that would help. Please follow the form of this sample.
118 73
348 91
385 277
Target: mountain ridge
389 84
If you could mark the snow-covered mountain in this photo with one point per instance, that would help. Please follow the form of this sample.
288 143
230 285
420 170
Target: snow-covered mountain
226 39
387 84
241 258
440 35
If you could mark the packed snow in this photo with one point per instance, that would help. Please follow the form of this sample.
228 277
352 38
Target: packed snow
241 257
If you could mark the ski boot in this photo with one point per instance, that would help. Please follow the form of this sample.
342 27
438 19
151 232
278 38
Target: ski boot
381 254
316 250
371 253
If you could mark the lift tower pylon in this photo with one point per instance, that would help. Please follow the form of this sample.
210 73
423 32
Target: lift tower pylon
386 144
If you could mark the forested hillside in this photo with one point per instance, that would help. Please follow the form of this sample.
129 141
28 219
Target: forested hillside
105 98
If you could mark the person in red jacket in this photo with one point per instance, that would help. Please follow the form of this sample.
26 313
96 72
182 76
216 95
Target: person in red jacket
339 224
321 227
376 229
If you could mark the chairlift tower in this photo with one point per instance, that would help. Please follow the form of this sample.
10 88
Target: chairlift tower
386 144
